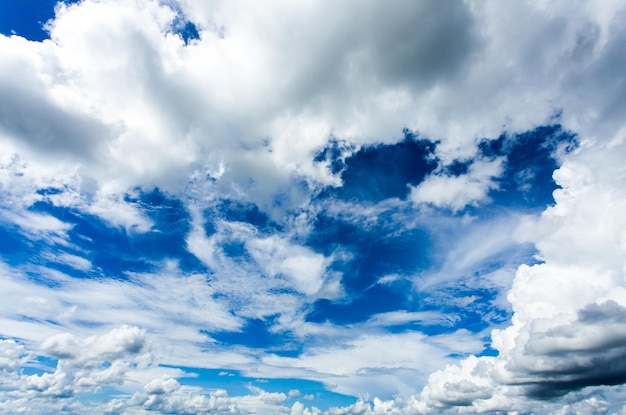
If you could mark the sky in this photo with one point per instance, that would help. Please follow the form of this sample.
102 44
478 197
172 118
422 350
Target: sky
312 207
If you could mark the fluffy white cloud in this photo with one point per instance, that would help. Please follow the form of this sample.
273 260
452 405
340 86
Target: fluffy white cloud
303 267
456 192
83 365
118 358
159 110
111 346
12 355
569 311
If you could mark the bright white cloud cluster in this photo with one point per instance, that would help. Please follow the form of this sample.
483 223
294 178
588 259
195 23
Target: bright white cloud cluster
83 365
117 357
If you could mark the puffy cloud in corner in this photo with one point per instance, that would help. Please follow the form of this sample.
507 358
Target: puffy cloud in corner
118 358
83 365
569 311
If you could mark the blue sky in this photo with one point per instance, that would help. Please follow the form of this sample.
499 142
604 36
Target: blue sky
312 208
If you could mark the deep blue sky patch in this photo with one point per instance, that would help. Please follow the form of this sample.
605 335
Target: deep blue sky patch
187 30
379 172
372 300
374 252
27 18
114 251
256 334
172 224
530 161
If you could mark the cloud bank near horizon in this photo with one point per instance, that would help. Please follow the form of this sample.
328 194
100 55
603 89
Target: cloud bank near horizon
308 208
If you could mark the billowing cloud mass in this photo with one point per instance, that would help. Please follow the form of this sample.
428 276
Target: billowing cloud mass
313 207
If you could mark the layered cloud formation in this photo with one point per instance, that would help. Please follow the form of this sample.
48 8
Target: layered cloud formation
314 207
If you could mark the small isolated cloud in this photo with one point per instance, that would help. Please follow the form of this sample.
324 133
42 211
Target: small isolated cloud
301 266
456 192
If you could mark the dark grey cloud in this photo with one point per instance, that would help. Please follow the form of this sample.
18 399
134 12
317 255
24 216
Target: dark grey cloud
588 352
606 312
365 45
419 42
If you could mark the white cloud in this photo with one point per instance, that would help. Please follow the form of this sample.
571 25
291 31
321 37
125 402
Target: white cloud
161 386
74 261
118 358
83 366
119 213
12 355
159 110
404 317
171 306
303 267
266 264
569 312
456 192
375 363
111 346
39 226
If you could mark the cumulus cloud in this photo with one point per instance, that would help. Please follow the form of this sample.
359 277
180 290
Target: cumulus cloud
568 310
456 192
112 359
416 61
113 345
82 365
13 355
